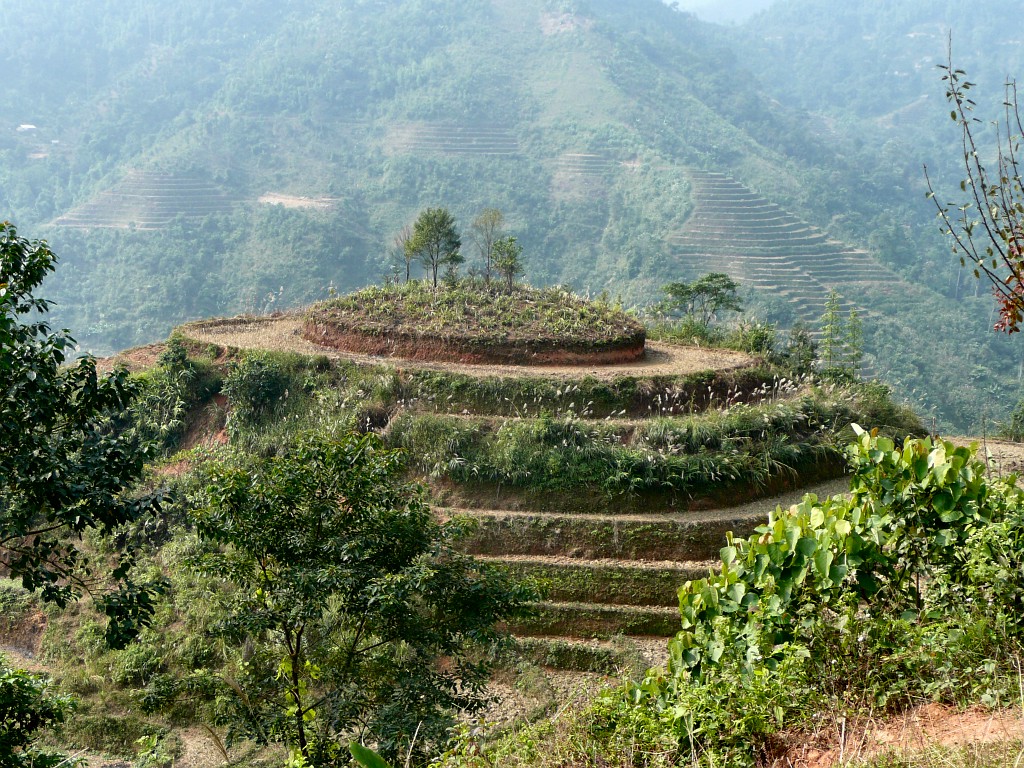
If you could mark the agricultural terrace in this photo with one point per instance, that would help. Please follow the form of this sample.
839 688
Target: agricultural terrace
607 484
473 322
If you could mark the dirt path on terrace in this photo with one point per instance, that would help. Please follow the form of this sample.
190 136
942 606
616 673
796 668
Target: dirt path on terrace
914 733
284 334
1003 456
751 509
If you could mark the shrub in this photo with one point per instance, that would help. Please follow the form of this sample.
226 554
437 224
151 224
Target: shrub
254 386
827 602
27 706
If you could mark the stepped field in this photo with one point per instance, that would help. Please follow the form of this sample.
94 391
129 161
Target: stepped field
148 200
736 231
608 485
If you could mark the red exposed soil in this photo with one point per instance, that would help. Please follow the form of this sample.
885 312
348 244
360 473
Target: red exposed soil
918 730
455 350
284 333
135 359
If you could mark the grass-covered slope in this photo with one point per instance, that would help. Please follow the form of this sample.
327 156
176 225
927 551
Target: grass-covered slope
473 322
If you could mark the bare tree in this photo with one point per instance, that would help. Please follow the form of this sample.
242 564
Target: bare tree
987 229
485 231
401 250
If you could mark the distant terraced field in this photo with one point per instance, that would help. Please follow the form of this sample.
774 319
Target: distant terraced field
451 139
736 231
579 173
148 200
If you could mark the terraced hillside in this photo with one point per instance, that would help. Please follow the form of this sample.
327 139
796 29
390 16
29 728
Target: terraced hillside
609 485
451 139
148 200
736 231
610 580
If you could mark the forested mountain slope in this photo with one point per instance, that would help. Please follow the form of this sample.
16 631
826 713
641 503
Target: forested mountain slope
189 161
878 58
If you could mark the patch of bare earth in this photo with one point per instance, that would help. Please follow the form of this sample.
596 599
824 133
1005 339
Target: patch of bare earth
20 640
135 359
1003 456
285 334
295 201
920 729
208 428
561 23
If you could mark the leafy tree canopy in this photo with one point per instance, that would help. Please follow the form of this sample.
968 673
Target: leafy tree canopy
704 298
507 260
353 615
436 241
64 467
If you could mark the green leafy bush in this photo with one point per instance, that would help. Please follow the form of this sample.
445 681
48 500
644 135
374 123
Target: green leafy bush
910 587
254 385
27 706
342 603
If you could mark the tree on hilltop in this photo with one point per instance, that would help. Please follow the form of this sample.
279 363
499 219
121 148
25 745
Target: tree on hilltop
704 298
435 241
486 229
402 252
507 253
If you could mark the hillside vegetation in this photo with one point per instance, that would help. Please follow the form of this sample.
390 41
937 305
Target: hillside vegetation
601 492
332 554
202 162
605 516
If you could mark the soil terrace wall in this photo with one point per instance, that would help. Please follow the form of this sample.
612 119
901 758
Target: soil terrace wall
538 352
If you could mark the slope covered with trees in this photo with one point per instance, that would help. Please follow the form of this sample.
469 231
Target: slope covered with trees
189 161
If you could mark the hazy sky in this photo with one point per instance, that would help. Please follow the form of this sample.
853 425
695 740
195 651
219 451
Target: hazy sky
723 11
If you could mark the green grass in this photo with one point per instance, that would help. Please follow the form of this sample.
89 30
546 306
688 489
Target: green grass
745 445
446 392
471 312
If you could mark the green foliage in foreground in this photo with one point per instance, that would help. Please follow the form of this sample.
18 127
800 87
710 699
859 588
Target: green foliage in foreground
911 589
343 606
64 466
366 757
27 706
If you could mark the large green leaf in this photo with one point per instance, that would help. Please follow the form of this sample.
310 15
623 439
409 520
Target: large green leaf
366 757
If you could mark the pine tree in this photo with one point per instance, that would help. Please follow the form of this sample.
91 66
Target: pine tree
832 333
853 341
